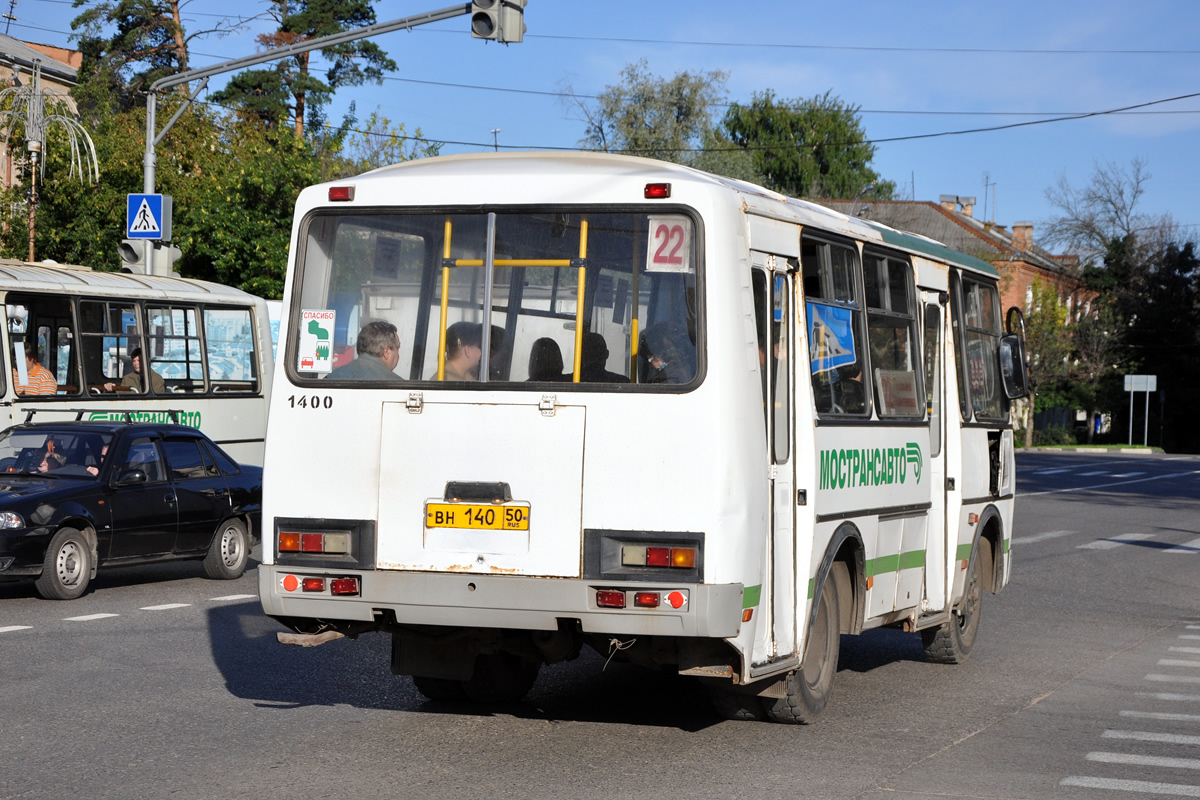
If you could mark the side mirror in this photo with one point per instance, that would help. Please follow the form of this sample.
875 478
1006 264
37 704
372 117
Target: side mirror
1012 367
130 477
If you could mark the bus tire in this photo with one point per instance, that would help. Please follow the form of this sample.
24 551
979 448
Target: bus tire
67 567
730 704
228 553
500 678
440 690
951 643
809 688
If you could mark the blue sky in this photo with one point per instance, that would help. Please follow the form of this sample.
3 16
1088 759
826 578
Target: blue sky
914 69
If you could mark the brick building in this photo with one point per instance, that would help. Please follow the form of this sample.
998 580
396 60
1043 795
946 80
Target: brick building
59 74
952 222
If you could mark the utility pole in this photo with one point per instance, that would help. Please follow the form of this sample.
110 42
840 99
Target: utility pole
495 140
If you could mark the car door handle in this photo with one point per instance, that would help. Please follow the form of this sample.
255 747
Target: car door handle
170 498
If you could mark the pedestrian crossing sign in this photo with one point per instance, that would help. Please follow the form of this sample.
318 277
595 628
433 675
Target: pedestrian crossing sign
148 216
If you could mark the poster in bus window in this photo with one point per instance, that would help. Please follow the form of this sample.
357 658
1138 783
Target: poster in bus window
669 244
830 337
316 340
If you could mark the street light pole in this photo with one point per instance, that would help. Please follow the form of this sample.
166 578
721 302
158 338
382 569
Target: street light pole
495 140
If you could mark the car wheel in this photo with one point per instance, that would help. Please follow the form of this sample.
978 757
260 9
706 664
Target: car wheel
67 567
229 551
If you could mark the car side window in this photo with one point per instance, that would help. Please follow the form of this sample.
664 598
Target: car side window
184 459
143 455
223 462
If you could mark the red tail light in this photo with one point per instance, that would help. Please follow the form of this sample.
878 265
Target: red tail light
343 586
610 598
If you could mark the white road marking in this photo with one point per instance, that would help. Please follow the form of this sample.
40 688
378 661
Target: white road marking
1146 787
232 597
1163 715
1183 649
1116 541
1170 697
164 607
1151 736
1145 761
1041 537
11 628
1117 483
1193 627
1191 547
1189 635
89 617
1172 678
1177 662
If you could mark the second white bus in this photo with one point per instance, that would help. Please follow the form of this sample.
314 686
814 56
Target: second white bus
683 420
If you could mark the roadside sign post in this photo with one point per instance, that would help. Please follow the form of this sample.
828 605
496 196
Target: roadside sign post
1140 383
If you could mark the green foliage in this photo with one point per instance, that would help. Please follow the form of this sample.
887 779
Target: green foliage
806 148
654 117
1054 436
271 95
145 44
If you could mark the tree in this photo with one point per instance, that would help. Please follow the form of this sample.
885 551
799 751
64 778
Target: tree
290 89
1096 339
149 42
806 148
647 115
380 143
1048 347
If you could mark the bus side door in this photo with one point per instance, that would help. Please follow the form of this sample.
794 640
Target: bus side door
933 322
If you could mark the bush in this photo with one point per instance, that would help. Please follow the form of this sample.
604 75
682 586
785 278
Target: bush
1053 436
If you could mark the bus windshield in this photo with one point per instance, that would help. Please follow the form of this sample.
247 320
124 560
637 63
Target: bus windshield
496 297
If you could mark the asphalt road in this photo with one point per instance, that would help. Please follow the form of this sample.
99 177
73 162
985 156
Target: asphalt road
1084 683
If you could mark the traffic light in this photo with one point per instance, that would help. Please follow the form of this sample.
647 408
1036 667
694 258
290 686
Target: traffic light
149 257
501 20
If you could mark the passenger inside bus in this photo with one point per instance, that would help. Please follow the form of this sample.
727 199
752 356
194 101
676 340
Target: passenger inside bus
464 351
40 381
377 352
669 354
546 361
593 366
133 379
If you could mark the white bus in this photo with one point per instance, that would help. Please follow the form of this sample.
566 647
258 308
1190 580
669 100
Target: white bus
204 350
683 420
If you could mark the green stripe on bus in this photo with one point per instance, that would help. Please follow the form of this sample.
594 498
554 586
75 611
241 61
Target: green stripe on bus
963 552
812 587
1006 544
751 595
914 559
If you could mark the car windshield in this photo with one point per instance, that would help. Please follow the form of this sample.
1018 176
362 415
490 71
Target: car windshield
53 452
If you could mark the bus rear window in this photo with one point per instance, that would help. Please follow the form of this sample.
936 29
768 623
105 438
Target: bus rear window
531 297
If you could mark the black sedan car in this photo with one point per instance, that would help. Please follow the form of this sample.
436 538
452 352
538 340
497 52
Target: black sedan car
75 496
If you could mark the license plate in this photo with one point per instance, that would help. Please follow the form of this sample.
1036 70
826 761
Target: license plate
478 516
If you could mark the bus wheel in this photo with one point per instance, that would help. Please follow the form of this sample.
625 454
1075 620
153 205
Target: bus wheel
730 704
67 567
952 642
441 690
227 555
809 688
500 678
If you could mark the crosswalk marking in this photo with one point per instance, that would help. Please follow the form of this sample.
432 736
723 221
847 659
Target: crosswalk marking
89 617
1177 662
1191 547
1041 537
1162 715
1145 761
233 597
11 628
165 607
1116 541
1172 678
1152 736
1146 787
1183 649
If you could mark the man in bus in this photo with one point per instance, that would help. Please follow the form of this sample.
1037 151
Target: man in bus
133 380
39 380
377 354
